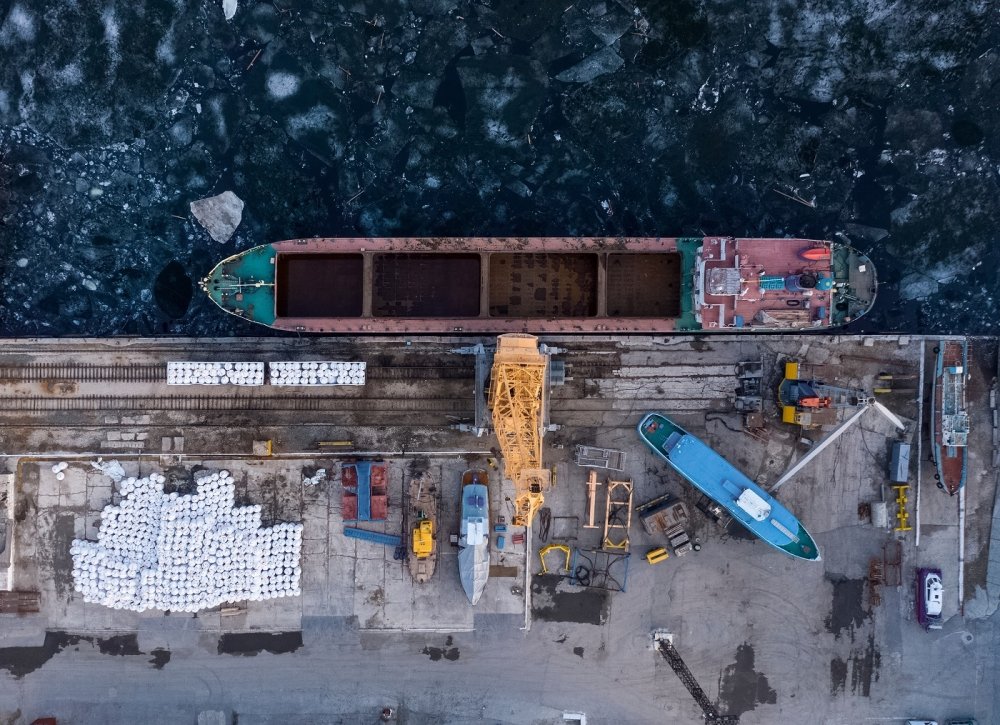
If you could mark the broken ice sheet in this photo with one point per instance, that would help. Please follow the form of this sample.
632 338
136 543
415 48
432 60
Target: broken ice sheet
593 66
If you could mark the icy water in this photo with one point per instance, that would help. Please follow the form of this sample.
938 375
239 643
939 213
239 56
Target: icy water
874 121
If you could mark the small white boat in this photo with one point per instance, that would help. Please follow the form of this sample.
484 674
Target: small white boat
474 539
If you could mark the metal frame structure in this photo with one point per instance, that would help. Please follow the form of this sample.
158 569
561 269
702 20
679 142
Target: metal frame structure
554 547
902 515
673 658
594 457
592 484
617 515
597 569
517 403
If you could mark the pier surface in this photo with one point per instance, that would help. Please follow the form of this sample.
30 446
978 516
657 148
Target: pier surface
770 639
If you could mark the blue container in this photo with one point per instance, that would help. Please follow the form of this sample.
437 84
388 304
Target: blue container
500 541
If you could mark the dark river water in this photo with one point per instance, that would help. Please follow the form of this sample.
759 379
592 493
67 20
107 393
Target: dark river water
876 122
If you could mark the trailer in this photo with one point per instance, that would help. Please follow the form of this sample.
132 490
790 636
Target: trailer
668 517
365 496
593 457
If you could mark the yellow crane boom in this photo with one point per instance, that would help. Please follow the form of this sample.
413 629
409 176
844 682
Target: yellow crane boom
517 402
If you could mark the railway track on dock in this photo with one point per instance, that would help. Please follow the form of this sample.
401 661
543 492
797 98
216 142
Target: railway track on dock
82 373
234 403
157 373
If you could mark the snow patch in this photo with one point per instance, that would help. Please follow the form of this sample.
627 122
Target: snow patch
20 24
28 81
498 132
67 76
945 61
315 119
282 85
111 27
165 52
215 104
824 88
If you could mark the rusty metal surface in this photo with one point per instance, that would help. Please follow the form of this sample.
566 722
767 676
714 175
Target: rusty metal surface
477 244
426 285
644 285
319 285
543 285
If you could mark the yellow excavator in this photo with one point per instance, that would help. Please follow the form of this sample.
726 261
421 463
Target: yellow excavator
518 386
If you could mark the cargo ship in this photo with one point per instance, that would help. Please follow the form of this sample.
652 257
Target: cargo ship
545 285
474 536
949 417
722 482
422 555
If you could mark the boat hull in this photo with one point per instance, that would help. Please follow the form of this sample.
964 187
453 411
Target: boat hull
421 556
474 537
949 420
758 512
927 618
474 570
545 284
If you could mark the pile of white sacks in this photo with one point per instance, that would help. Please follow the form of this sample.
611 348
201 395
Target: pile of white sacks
185 552
317 373
315 479
215 373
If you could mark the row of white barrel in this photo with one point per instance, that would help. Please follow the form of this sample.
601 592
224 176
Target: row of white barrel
284 373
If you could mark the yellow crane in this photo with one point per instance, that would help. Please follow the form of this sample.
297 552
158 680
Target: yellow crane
517 402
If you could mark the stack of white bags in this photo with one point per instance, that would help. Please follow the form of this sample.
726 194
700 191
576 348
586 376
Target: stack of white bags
315 479
317 373
185 552
215 373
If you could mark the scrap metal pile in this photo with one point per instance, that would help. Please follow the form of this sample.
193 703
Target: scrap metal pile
185 553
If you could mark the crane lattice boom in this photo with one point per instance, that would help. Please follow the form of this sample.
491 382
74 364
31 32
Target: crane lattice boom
517 400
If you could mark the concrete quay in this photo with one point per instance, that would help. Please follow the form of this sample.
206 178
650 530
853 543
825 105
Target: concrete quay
770 639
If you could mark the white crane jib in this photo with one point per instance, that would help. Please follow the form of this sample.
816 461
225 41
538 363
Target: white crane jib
834 435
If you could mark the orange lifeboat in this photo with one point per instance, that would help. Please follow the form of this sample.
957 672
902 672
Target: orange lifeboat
815 254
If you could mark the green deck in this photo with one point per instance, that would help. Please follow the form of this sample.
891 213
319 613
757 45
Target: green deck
244 284
658 437
688 247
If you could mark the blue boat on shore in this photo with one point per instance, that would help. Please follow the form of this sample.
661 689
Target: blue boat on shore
722 482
